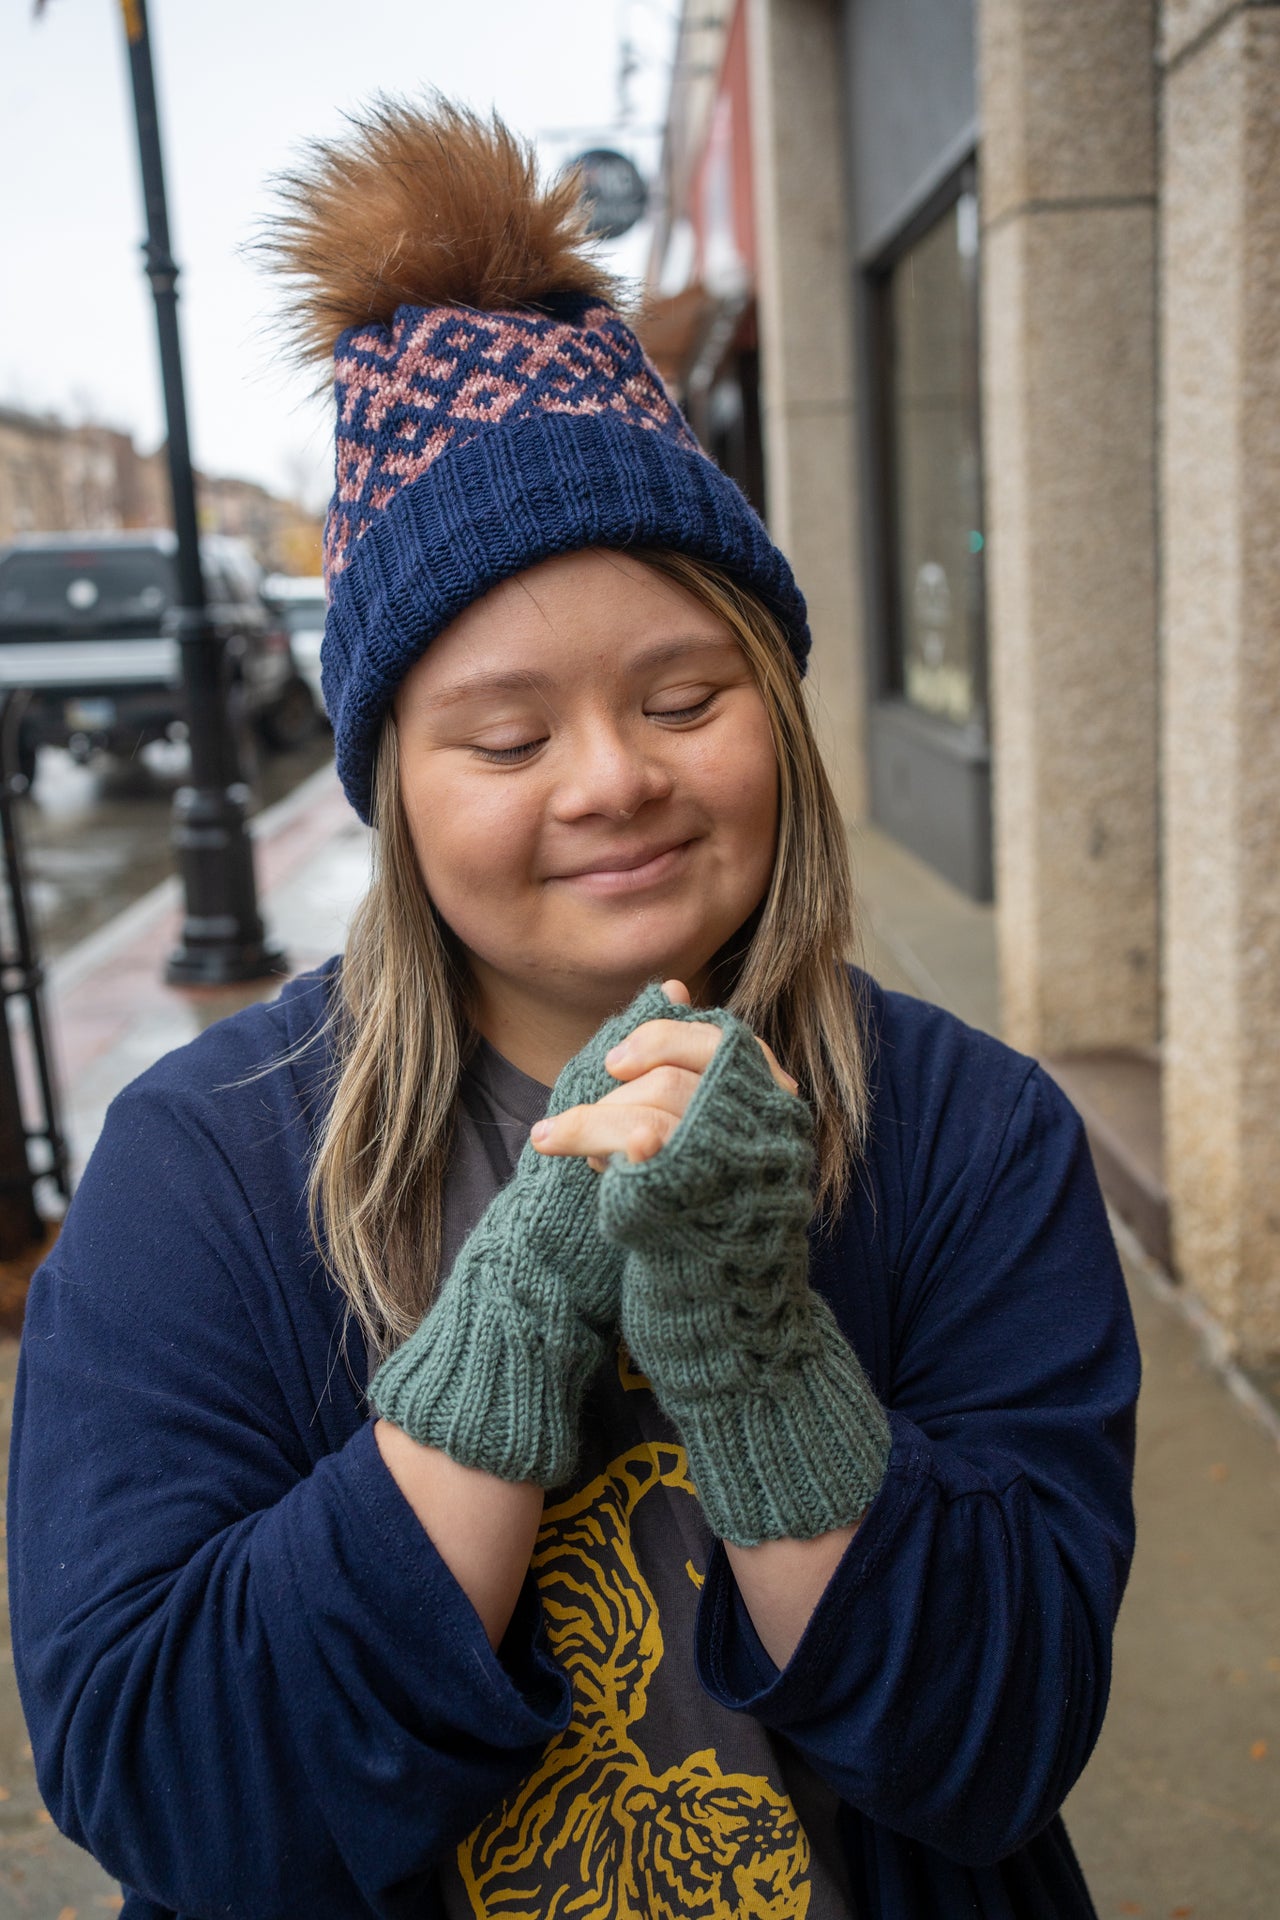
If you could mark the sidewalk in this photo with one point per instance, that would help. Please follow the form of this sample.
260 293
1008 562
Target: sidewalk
111 1014
1179 1813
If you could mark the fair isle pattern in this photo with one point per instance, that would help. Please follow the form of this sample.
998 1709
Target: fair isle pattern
440 377
473 445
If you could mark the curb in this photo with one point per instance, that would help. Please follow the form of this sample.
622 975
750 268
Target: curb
1215 1348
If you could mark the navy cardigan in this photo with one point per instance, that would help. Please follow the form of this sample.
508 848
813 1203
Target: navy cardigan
254 1689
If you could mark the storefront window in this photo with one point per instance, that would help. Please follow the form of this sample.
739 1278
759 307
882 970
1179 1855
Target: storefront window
930 312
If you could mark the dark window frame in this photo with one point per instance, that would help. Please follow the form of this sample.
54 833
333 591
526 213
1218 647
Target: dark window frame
888 649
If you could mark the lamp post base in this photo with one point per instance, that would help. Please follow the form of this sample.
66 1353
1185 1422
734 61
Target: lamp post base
223 940
192 965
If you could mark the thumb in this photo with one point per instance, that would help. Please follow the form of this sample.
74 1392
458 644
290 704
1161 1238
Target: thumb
677 992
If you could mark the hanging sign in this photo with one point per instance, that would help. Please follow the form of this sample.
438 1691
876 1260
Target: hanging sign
614 191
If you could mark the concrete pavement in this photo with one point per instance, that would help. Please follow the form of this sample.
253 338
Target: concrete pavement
1179 1812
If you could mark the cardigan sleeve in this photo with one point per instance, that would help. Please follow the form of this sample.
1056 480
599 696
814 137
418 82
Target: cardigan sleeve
952 1680
253 1687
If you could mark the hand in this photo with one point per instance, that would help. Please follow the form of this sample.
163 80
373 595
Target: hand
659 1065
784 1437
494 1375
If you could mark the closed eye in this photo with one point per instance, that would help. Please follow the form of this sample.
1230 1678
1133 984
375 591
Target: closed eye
509 756
679 714
516 756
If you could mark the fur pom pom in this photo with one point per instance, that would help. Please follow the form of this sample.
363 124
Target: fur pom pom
423 207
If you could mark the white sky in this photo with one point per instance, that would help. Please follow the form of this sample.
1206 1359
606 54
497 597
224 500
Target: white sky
241 84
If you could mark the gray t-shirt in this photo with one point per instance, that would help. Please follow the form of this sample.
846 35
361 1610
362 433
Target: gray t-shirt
655 1799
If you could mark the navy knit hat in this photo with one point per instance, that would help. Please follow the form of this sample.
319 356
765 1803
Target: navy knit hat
493 406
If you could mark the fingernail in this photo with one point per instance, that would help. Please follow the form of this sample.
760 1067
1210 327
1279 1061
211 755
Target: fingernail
542 1131
617 1054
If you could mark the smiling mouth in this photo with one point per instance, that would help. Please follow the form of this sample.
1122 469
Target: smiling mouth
629 873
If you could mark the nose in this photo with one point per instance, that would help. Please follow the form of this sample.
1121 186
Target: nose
611 773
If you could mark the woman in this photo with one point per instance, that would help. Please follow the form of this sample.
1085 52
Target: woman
358 1565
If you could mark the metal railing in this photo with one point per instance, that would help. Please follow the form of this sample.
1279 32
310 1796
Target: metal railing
22 985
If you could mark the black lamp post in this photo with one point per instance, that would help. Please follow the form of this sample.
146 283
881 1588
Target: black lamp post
222 936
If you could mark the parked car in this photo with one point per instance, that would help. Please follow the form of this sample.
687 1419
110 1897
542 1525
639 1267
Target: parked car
82 619
301 604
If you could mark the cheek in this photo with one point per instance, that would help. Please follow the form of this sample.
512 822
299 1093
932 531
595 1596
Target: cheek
740 784
472 837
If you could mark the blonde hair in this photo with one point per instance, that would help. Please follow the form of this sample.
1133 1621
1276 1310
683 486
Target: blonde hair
401 1031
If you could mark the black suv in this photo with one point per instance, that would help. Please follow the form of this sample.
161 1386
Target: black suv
82 625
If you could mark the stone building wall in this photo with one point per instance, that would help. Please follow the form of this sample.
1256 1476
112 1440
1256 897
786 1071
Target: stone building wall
32 497
1220 307
1068 193
807 383
56 478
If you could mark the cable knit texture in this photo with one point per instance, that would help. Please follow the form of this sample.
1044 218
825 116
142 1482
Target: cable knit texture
784 1435
495 1373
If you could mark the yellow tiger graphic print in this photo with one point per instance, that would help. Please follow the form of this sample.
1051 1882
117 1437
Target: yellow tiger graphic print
594 1833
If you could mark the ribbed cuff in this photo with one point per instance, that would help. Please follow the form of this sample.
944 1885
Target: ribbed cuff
801 1454
491 1386
496 504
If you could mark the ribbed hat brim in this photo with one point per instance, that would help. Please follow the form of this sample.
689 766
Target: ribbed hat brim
495 505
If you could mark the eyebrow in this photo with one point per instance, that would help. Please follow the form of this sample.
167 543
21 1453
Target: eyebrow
528 680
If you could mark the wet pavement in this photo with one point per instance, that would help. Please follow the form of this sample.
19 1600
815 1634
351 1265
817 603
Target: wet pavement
1178 1812
41 1873
96 838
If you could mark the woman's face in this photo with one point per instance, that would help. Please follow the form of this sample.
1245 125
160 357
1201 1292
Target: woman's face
589 779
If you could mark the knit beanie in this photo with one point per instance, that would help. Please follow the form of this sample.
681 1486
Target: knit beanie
493 405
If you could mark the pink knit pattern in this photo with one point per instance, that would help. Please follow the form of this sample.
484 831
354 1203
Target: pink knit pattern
438 377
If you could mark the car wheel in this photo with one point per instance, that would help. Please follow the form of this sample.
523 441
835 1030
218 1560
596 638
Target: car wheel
291 720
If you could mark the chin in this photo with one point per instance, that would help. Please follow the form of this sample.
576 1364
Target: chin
617 977
608 987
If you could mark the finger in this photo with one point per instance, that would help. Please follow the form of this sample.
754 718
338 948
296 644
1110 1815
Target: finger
683 1043
597 1131
677 992
669 1087
658 1043
780 1075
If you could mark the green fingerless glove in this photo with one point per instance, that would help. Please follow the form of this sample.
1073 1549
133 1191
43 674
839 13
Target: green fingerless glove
784 1435
495 1372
